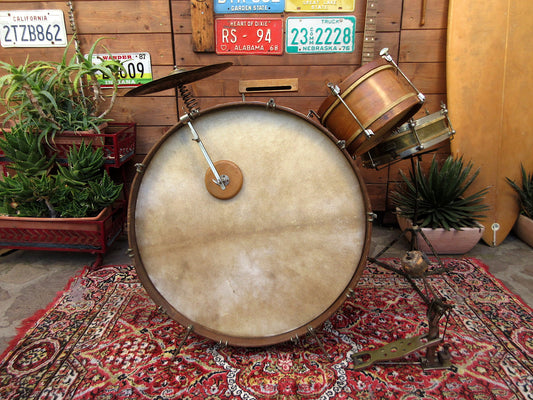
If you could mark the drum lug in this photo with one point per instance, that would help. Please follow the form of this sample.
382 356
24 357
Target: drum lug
139 167
271 104
130 253
341 144
337 92
371 216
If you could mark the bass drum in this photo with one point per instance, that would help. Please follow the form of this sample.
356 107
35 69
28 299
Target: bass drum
275 258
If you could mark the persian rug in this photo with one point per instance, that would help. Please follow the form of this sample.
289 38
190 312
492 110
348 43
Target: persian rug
104 338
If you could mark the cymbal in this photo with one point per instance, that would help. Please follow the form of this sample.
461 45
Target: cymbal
178 77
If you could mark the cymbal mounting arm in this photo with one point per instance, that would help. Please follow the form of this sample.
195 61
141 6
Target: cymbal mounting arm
221 181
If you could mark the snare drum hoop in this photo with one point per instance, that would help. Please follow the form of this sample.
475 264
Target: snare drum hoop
404 135
206 331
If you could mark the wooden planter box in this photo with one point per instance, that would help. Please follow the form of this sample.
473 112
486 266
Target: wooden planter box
92 234
118 140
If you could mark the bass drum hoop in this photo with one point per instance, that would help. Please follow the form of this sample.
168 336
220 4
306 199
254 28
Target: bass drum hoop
207 331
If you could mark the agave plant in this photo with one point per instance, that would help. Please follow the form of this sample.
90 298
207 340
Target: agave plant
58 96
525 193
42 188
436 199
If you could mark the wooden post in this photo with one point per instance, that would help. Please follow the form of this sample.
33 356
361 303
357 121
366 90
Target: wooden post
202 21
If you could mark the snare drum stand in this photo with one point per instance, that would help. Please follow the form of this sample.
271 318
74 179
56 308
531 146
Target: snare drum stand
414 265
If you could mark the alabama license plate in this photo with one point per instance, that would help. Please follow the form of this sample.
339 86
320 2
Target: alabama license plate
249 36
35 28
320 34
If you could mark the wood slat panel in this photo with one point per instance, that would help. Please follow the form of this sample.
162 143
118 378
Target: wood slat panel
145 110
389 16
436 14
423 46
429 78
159 45
186 57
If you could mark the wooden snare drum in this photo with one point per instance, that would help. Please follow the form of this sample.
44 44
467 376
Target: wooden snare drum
278 257
380 100
409 139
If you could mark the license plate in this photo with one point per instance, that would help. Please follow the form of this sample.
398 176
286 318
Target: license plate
137 69
320 34
249 6
319 5
36 28
249 36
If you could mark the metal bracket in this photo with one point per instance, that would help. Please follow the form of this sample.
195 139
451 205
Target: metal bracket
337 92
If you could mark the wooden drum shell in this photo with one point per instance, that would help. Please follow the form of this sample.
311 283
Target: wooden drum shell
380 100
268 264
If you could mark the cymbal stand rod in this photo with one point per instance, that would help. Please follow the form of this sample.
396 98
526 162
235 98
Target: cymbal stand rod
218 179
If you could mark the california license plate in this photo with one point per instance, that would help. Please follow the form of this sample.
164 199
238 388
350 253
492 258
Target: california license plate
35 28
320 34
249 36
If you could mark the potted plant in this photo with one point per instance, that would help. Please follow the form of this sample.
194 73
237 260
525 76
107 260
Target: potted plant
57 97
435 203
45 205
523 227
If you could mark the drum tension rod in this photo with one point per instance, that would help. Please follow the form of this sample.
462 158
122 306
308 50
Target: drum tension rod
384 53
336 91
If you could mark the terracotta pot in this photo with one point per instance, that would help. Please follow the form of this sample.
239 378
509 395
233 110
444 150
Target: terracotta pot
443 241
523 228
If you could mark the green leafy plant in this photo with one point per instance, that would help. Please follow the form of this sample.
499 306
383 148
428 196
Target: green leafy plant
436 199
525 192
57 96
46 189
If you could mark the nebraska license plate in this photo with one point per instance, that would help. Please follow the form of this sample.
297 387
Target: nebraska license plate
249 36
320 34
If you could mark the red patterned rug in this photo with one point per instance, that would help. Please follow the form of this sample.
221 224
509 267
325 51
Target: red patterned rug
104 338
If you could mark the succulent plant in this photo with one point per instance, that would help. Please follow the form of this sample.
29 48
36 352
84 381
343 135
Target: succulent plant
525 192
437 199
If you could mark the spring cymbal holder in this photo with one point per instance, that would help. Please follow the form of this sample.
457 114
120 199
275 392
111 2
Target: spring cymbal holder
191 103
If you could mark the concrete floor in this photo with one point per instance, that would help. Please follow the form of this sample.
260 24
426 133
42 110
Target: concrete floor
29 280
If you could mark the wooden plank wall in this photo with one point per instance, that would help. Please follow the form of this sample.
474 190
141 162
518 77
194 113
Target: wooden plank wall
163 28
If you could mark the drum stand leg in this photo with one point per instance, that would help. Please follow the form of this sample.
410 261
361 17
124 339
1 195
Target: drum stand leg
312 332
415 265
177 350
390 353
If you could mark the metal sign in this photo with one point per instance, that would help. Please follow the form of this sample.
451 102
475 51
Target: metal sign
249 6
320 34
35 28
249 36
319 5
137 69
